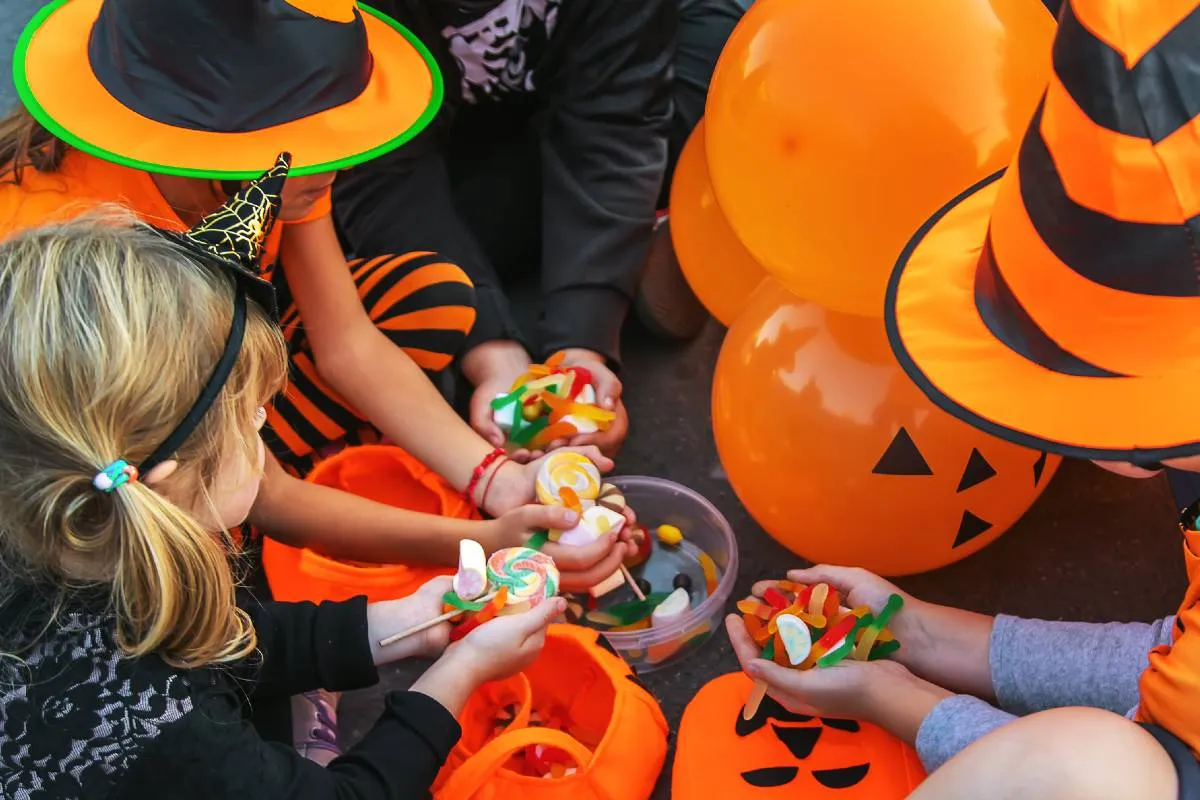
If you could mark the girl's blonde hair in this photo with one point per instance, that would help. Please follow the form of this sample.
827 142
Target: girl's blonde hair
108 333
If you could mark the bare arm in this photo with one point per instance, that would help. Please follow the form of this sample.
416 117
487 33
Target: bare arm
367 369
345 526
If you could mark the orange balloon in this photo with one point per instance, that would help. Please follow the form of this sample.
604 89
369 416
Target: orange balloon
837 127
720 270
842 459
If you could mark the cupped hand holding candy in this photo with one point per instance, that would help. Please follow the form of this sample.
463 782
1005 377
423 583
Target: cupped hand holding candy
580 566
882 692
516 484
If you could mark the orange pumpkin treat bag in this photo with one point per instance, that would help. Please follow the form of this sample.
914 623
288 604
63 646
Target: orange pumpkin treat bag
778 755
576 724
385 474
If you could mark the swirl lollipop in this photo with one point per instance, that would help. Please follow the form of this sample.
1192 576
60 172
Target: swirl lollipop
529 577
568 479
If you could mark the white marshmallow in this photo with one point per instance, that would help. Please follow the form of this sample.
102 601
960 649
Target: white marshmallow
595 522
676 604
470 582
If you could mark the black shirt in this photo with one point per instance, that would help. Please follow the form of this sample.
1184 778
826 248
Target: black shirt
597 75
80 720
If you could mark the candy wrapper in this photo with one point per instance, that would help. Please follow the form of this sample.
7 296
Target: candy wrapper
807 626
550 402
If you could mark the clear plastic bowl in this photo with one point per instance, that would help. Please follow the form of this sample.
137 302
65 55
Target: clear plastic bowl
658 501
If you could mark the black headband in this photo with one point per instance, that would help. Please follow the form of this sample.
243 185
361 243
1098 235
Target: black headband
212 388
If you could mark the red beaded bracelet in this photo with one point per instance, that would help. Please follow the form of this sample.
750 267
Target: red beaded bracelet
491 479
469 493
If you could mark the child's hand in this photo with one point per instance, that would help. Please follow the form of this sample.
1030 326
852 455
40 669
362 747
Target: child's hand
858 587
507 644
513 485
851 689
580 567
494 650
393 616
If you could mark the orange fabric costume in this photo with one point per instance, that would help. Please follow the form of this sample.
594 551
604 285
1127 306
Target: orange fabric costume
83 181
1170 686
1057 305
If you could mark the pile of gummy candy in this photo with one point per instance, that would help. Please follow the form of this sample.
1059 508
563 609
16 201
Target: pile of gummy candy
807 626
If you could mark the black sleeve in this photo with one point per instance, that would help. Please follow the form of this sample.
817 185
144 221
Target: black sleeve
304 646
205 756
603 159
403 201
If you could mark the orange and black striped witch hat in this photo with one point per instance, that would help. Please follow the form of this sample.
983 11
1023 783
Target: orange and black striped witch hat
1057 304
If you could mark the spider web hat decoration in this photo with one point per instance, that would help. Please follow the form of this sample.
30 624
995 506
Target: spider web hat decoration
229 241
1056 305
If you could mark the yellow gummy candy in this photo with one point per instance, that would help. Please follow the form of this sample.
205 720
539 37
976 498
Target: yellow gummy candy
669 534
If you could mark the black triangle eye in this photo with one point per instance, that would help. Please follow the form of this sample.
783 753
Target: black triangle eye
969 527
902 458
977 471
1039 466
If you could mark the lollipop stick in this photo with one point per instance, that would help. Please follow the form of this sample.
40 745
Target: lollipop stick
637 592
754 700
424 626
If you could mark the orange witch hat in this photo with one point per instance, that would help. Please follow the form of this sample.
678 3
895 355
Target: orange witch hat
1057 304
215 89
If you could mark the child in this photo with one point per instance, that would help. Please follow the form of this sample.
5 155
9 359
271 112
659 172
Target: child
125 666
197 93
562 124
1072 329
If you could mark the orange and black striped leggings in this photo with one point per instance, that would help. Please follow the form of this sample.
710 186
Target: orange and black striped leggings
420 301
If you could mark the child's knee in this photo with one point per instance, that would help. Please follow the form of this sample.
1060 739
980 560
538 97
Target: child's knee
1061 754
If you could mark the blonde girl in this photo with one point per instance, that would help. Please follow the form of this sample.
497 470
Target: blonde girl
129 430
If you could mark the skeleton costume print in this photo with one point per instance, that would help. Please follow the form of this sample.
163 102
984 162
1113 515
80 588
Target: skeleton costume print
497 45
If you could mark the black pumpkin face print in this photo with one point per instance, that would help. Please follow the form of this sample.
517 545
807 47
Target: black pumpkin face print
903 458
778 755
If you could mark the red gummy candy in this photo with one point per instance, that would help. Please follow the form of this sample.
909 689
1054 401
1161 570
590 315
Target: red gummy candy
776 599
838 631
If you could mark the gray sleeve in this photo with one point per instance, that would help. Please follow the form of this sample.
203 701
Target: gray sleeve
1038 664
953 724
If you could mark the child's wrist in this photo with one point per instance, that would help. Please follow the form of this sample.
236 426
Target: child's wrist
450 682
506 488
900 701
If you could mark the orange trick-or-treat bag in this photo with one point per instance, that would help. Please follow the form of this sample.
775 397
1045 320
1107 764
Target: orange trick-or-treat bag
778 755
382 473
576 724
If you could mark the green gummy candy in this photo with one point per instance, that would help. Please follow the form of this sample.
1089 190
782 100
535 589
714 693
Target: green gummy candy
632 611
883 650
538 540
523 432
451 598
834 657
768 651
507 400
894 603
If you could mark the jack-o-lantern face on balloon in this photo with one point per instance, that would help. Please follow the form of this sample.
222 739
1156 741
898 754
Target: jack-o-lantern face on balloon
782 755
842 459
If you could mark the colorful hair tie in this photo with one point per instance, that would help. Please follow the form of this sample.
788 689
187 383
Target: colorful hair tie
114 475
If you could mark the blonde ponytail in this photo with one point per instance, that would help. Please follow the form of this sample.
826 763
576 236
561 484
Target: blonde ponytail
169 570
100 356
